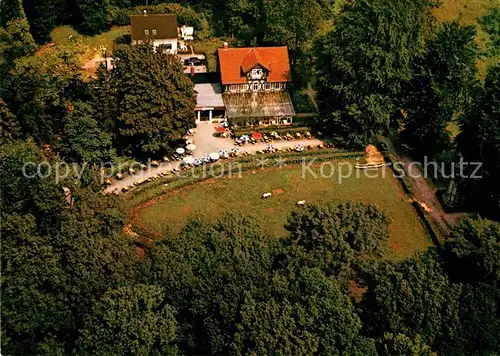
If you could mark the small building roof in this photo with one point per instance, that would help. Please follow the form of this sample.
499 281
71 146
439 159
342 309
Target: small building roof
209 96
234 63
164 24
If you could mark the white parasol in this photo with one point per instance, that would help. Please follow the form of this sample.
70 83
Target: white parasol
180 150
191 147
214 156
188 159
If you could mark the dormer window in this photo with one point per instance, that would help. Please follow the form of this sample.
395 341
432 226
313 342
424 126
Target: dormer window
257 73
154 32
146 32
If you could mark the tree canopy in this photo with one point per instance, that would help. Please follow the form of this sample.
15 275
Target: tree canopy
155 99
84 140
55 258
77 279
442 88
360 81
479 141
333 236
130 320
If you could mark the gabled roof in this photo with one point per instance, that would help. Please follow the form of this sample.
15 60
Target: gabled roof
164 24
252 60
235 62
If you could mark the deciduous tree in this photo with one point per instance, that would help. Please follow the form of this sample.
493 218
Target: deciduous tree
331 236
306 313
155 98
15 42
94 15
479 141
207 272
414 298
365 62
10 10
9 127
83 140
473 253
292 23
44 16
57 255
441 90
130 320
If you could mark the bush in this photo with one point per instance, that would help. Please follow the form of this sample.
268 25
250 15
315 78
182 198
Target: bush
119 17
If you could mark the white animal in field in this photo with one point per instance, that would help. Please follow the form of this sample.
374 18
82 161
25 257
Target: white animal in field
301 203
266 195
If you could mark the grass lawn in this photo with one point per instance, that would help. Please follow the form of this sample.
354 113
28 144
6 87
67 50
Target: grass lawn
467 11
211 198
63 35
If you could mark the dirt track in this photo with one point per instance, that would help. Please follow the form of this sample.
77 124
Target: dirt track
425 193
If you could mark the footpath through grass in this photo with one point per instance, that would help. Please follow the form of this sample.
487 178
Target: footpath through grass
211 198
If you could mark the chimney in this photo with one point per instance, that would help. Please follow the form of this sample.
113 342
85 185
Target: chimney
226 45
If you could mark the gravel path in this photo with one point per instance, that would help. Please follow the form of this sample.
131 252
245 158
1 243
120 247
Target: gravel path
205 144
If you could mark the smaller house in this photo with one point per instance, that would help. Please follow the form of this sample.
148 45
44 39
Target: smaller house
209 103
158 29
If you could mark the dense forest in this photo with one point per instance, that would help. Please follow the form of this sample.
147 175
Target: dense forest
73 283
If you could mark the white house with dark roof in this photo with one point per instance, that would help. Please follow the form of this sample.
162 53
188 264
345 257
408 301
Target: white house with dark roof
159 29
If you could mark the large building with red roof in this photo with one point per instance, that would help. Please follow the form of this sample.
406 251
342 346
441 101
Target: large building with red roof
254 83
240 68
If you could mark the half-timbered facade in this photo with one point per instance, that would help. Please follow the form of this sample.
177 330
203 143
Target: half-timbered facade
254 83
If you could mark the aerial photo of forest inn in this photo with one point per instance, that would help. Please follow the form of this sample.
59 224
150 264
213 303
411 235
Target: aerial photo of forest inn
250 177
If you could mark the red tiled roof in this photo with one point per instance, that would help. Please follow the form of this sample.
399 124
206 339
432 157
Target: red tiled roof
235 62
252 60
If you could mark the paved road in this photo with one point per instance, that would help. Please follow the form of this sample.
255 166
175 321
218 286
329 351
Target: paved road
206 143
